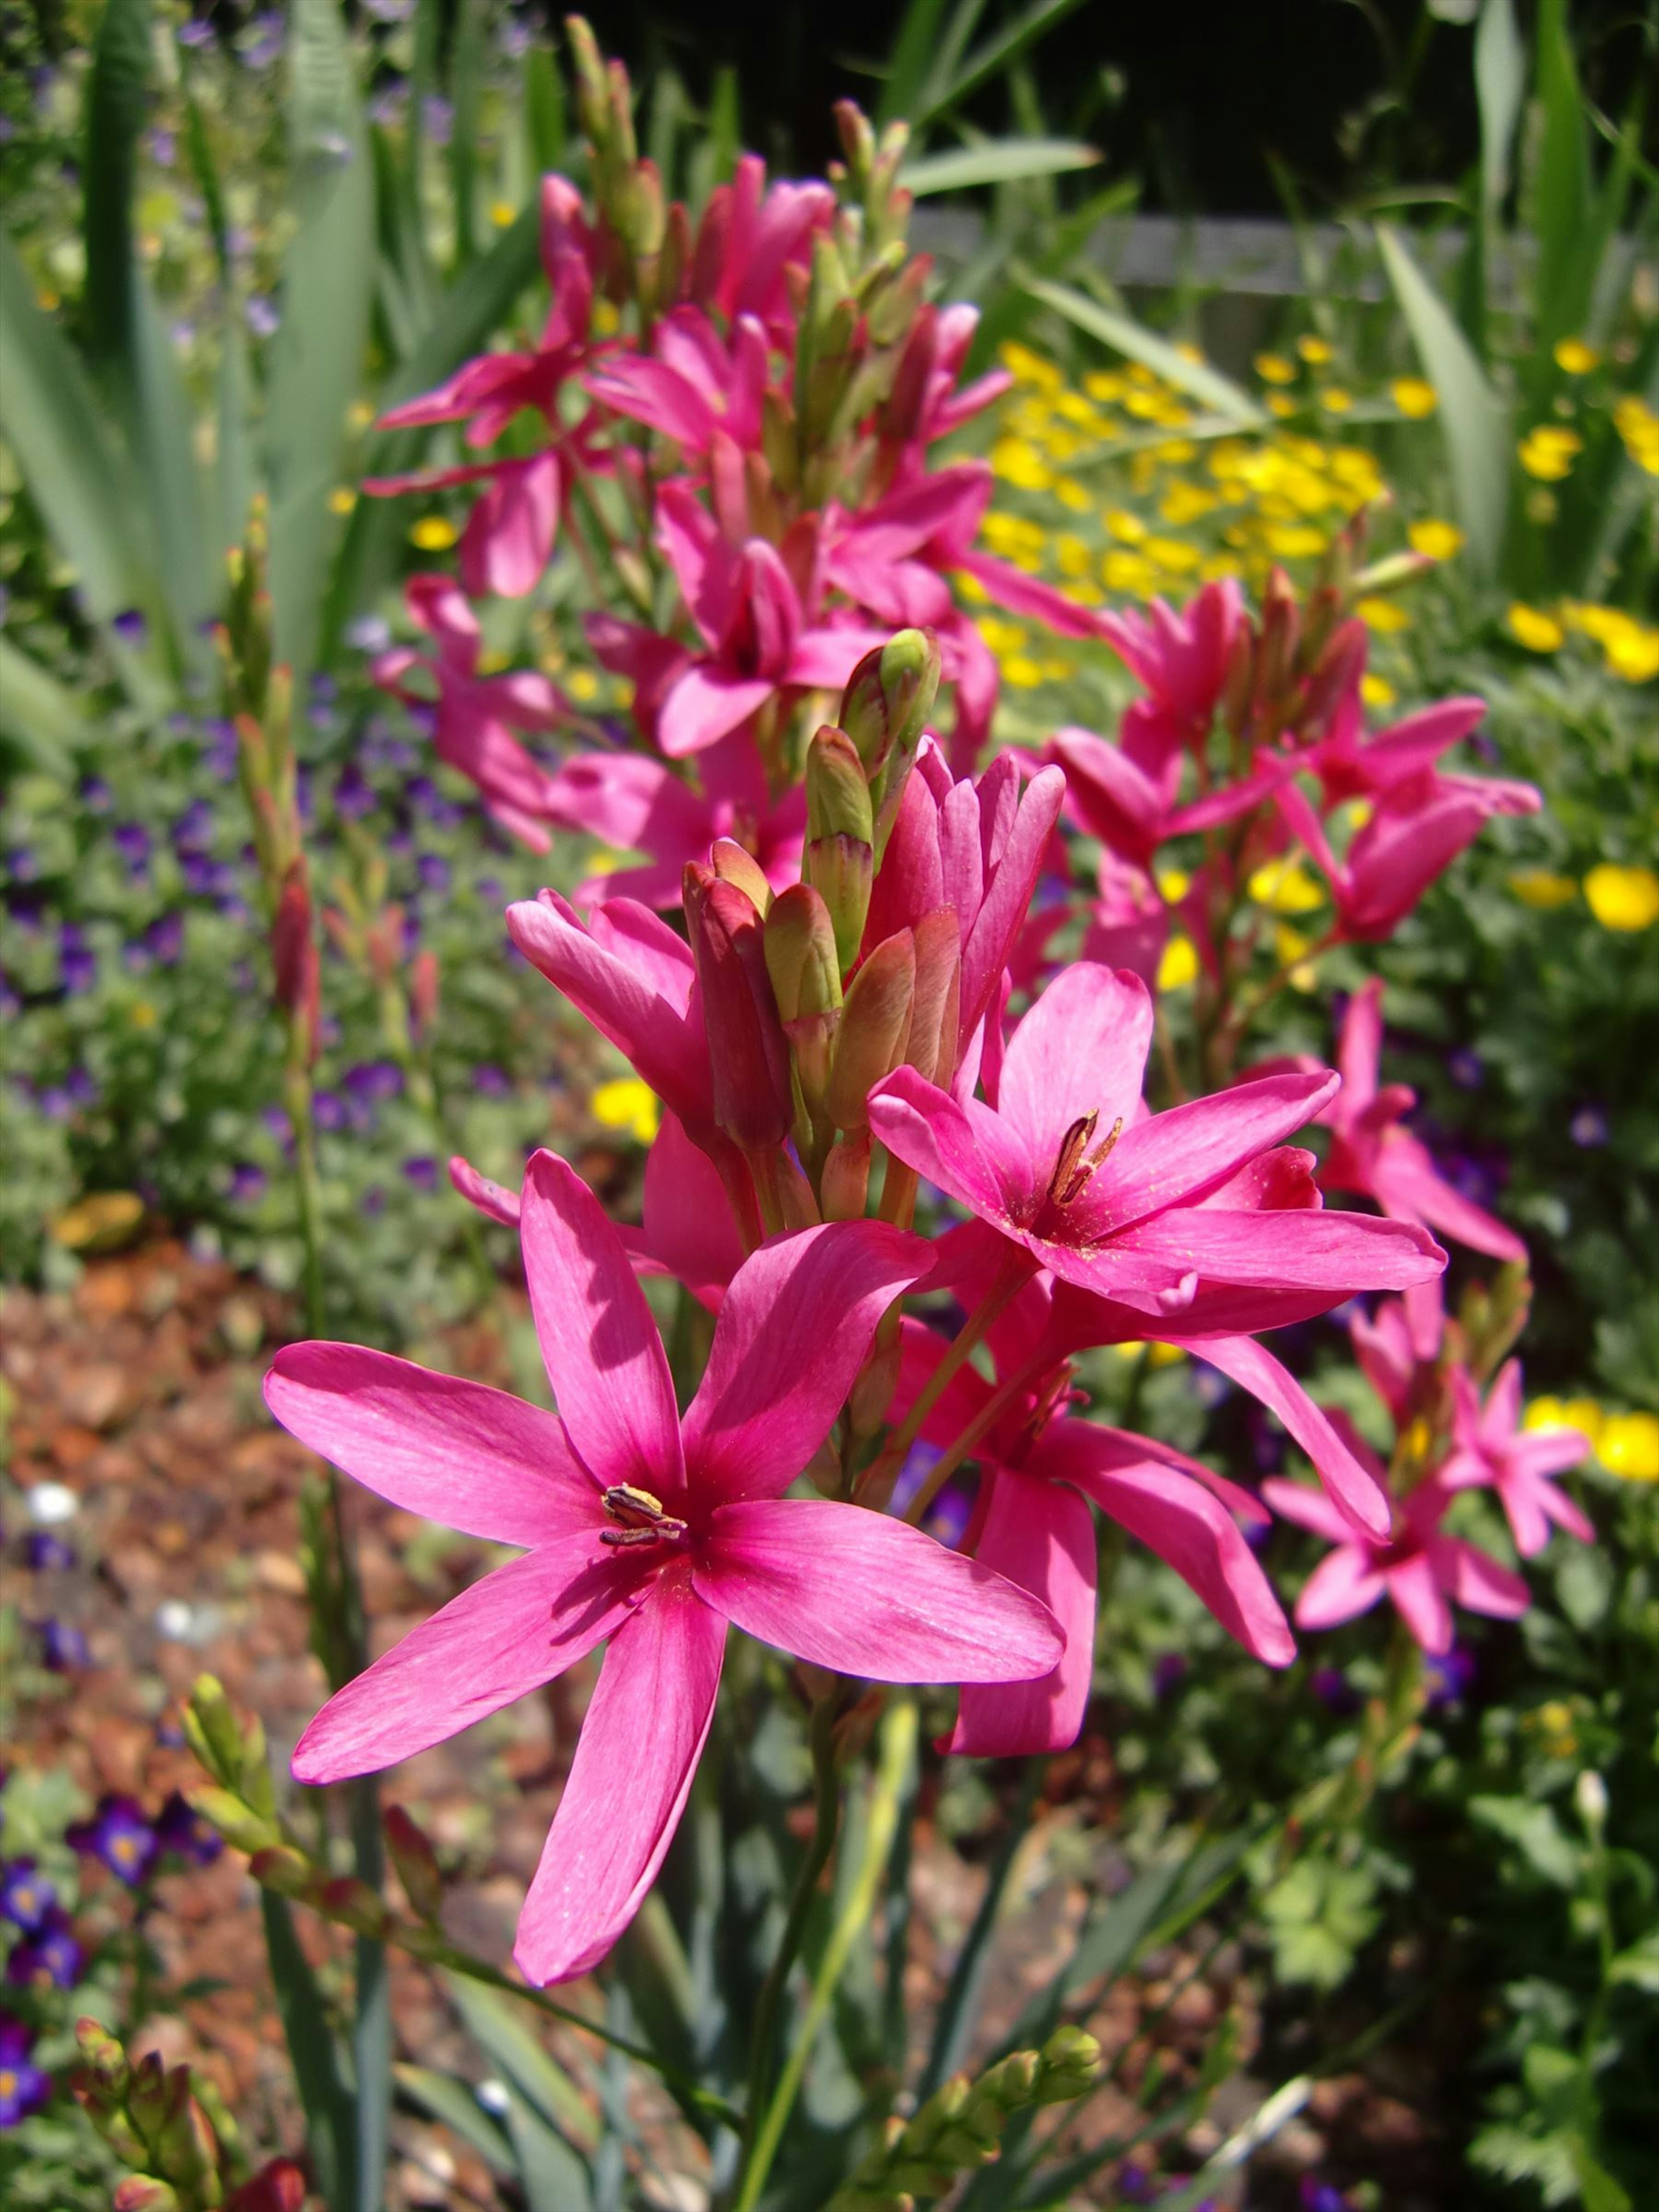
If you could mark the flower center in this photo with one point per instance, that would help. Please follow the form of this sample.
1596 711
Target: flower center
1075 1163
640 1517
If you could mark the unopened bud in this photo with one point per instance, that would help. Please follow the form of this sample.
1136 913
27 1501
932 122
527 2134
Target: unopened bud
212 1730
293 951
873 1387
844 1184
839 861
423 990
804 966
858 142
1590 1798
874 1028
748 1056
1391 574
1071 2062
187 2148
279 2186
103 2057
933 1025
143 2192
247 1830
734 863
889 697
354 1905
285 1871
416 1863
1341 665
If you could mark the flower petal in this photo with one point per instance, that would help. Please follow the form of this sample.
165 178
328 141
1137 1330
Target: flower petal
869 1595
1040 1534
1174 1158
510 1632
1254 1369
1302 1248
795 1326
1475 1579
473 1458
641 1741
963 1146
1421 1603
1343 1585
1309 1509
599 1344
1081 1049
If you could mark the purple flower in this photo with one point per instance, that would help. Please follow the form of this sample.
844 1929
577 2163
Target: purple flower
492 1082
166 937
439 117
265 43
163 147
372 1200
1590 1127
131 840
434 871
514 38
390 11
421 1172
488 888
247 1183
1316 2196
919 1463
201 875
1168 1672
221 747
368 633
26 1895
180 1829
328 1110
77 964
276 1120
120 1835
54 1102
262 316
44 1553
1449 1678
1335 1692
63 1647
374 1080
94 794
81 1086
195 33
352 796
23 2088
1135 2186
53 1951
131 627
22 865
1466 1069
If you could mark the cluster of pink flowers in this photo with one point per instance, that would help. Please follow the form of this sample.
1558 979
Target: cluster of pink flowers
855 1022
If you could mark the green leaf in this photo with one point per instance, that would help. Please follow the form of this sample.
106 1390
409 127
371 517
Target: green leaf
497 2028
163 439
452 2102
80 481
467 84
116 89
44 718
331 2124
317 356
234 479
1560 184
999 54
1125 336
914 47
1001 161
1474 423
544 109
1500 85
958 2012
555 2178
1536 1832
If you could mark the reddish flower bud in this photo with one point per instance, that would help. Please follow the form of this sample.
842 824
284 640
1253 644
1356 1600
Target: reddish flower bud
416 1863
424 989
748 1056
278 2187
874 1029
293 949
734 863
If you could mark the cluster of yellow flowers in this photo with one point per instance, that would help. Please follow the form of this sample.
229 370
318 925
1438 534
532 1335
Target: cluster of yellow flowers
1624 899
1629 648
1626 1444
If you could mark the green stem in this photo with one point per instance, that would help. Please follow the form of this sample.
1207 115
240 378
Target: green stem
985 1419
826 1808
1015 1275
898 1748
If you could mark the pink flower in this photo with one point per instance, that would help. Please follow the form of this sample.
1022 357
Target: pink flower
1188 1223
1491 1448
643 1532
1039 1464
1418 1567
477 714
1125 793
693 383
1372 1153
748 607
642 806
751 237
1183 660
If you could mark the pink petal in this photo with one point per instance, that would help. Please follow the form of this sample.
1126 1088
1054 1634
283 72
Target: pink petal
1301 1249
489 1197
453 1451
823 659
964 1148
1476 1580
509 533
1405 1183
794 1327
1421 1603
1343 1585
1040 1535
1193 1533
1307 1508
1081 1049
638 804
1017 594
599 1344
1254 1369
869 1595
688 1226
1002 911
1173 1158
507 1634
1360 1053
703 706
1547 1451
641 1741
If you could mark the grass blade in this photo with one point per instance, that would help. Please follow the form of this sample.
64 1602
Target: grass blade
1560 184
1500 85
317 356
999 53
1475 424
915 44
1002 161
442 2097
331 2126
509 2044
555 2177
958 2012
116 90
44 719
1125 336
467 76
544 109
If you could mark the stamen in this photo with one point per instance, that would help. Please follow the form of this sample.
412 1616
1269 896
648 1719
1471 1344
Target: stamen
1076 1164
642 1515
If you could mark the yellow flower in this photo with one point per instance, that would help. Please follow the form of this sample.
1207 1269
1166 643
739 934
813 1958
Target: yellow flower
1072 556
1382 615
1334 400
1132 574
144 1015
1638 426
1173 553
1103 387
1624 899
1070 493
1314 349
1280 404
1001 637
1164 1355
1414 397
1577 358
99 1222
583 686
1274 368
1173 885
1296 541
1286 887
1543 1413
1435 540
1022 670
359 415
627 1103
1547 452
502 213
342 499
1179 965
1290 947
1633 654
1185 502
1028 368
1127 527
1629 1445
1532 628
607 319
1581 1414
434 533
1376 691
1539 888
1017 462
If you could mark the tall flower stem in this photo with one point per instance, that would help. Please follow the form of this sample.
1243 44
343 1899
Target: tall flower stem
877 1481
826 1813
898 1750
983 1423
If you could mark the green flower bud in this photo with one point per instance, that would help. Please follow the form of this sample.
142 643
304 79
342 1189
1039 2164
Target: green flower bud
287 1872
143 2193
416 1863
248 1830
212 1730
839 862
734 863
874 1030
800 954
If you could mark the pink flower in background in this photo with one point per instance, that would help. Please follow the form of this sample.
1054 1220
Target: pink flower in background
1183 659
751 235
693 383
1125 793
1490 1448
644 1532
1372 1153
1039 1468
477 714
643 805
1419 1568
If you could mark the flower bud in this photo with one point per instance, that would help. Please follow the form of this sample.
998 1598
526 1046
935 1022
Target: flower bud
888 699
187 2149
279 2186
934 1022
285 1871
874 1030
248 1830
104 2059
1589 1798
844 1185
210 1727
1340 666
423 990
417 1863
354 1905
294 953
734 863
1071 2061
839 862
143 2193
858 142
748 1056
804 966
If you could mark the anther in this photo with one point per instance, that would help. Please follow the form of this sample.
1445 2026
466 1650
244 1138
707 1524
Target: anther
642 1515
1076 1164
